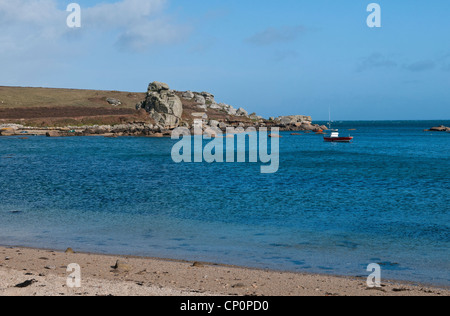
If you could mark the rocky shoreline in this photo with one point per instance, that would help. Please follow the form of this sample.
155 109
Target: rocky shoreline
166 109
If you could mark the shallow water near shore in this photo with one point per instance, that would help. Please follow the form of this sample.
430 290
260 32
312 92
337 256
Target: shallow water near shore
331 208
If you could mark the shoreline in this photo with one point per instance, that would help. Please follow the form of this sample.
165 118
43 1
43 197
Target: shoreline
105 274
151 131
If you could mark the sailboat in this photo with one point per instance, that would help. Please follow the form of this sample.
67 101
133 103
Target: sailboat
334 136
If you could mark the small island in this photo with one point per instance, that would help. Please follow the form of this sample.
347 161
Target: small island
441 128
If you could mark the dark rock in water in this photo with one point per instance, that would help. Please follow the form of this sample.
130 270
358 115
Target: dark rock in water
388 264
52 134
26 283
441 128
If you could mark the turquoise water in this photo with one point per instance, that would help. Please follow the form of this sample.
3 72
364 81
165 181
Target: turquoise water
331 208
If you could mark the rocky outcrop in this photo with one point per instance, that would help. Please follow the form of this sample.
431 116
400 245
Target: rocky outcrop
230 110
53 134
296 123
134 129
293 120
206 100
163 105
441 128
10 129
200 100
188 95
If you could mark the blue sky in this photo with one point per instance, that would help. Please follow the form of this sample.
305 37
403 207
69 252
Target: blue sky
270 57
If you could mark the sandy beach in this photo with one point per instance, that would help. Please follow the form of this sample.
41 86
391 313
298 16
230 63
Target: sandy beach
37 272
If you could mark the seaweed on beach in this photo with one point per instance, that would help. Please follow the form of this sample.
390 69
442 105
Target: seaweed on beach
26 284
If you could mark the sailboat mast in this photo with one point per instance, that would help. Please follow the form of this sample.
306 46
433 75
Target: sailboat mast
329 117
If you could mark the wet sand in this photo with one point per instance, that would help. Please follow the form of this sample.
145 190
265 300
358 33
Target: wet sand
29 272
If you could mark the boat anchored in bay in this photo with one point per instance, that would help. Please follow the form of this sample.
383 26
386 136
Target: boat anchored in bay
334 137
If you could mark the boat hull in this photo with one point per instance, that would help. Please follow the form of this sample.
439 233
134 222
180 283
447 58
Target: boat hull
338 139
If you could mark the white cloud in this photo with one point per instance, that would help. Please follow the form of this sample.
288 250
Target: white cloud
28 25
27 11
139 23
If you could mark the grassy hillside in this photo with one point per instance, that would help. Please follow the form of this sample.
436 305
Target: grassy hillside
62 107
42 107
13 97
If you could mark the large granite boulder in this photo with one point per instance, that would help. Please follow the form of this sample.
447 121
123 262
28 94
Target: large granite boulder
200 99
158 86
230 110
113 101
214 123
163 105
209 98
188 95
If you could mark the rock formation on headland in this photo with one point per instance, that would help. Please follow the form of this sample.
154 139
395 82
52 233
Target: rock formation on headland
163 105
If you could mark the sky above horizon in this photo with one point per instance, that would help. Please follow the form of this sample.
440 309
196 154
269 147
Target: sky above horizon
270 57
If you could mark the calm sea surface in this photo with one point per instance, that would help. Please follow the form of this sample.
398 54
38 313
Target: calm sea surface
331 208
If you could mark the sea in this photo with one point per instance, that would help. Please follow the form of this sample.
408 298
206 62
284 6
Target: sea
332 208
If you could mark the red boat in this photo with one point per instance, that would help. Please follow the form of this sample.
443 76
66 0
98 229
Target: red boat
335 138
